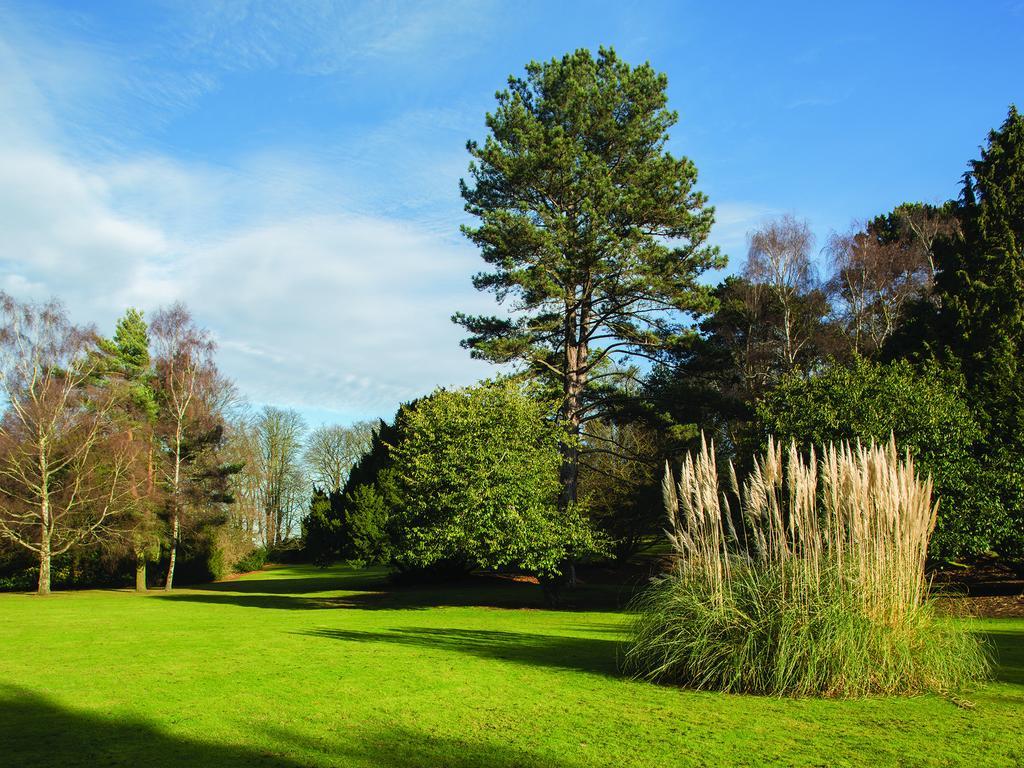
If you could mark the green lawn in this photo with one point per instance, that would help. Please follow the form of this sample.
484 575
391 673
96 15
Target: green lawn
301 667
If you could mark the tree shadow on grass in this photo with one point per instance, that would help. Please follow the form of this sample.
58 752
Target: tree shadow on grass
372 591
36 732
1009 653
254 600
586 654
327 580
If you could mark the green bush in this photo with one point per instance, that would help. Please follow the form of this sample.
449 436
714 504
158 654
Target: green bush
926 410
809 582
217 564
82 568
253 561
288 552
463 479
24 580
202 558
477 481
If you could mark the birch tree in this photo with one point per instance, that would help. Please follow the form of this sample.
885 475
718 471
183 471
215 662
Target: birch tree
779 262
281 482
66 469
185 383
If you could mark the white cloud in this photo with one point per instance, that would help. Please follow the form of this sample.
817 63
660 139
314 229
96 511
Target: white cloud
57 222
332 310
336 310
328 278
317 301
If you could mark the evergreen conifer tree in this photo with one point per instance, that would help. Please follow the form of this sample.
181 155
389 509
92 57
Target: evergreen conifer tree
981 288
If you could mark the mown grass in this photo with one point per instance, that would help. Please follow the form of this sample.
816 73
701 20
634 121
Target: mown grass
301 667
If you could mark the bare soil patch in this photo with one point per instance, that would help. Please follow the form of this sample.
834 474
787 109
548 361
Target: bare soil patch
987 589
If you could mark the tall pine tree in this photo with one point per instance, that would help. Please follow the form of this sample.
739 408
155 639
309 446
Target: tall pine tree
593 231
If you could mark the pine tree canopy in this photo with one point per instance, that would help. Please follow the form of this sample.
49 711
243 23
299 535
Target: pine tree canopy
982 277
593 231
131 336
588 222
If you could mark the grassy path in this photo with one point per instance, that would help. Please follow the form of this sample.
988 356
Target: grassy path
300 667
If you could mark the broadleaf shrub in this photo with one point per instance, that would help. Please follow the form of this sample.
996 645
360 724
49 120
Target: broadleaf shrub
253 561
463 479
476 476
925 409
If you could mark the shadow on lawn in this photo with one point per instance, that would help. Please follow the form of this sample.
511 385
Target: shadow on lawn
1009 653
586 654
372 591
309 582
36 731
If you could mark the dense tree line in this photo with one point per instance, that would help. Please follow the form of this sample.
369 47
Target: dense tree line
105 442
124 453
136 449
914 330
909 325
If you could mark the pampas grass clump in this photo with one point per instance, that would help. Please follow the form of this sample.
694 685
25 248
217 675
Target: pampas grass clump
808 580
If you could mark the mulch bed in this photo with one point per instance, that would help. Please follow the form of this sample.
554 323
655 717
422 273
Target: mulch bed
986 589
996 607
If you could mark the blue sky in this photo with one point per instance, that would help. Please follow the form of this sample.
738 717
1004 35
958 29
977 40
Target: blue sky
290 170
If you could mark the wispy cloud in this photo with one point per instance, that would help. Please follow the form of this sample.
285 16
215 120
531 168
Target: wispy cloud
320 38
818 101
318 301
336 310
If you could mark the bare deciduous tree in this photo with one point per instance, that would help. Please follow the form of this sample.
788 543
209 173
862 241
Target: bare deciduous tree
331 452
924 225
874 279
272 485
187 385
242 450
66 469
779 262
279 434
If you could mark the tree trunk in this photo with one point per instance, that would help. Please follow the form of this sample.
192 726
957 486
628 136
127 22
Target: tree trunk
576 353
570 472
787 324
169 584
43 587
572 418
140 571
44 566
175 523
